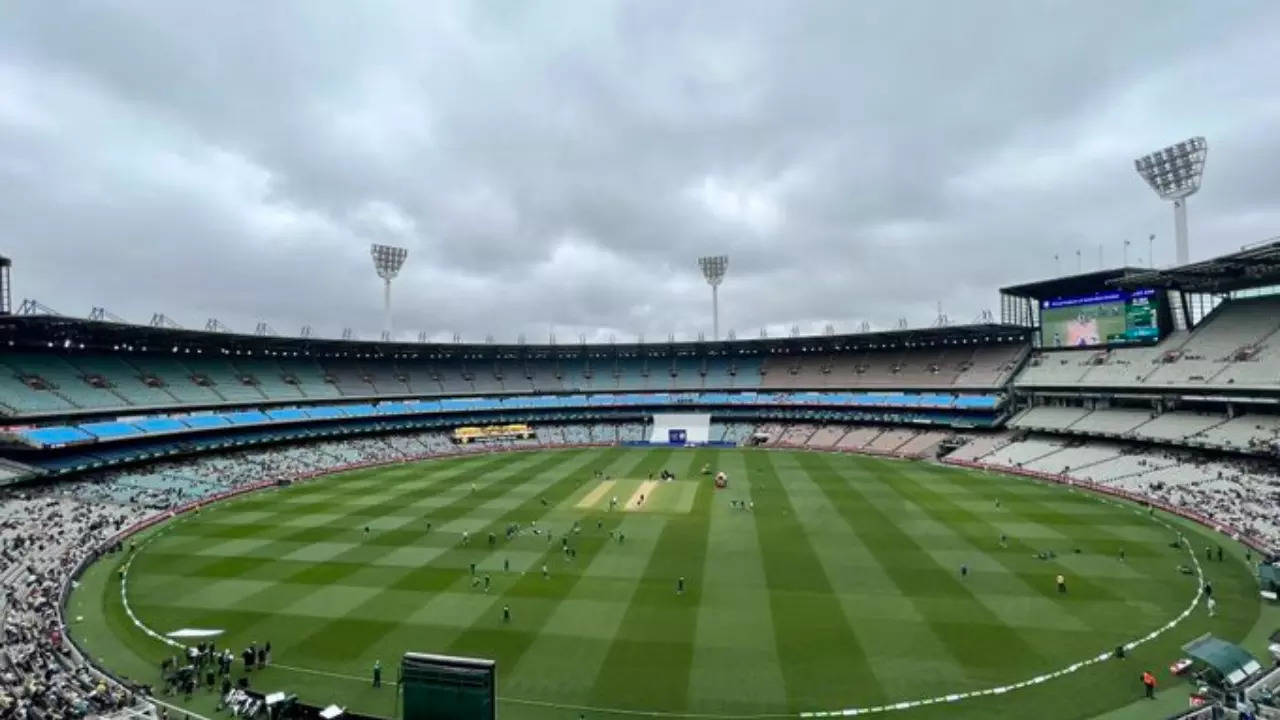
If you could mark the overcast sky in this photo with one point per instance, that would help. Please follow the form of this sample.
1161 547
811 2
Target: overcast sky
562 165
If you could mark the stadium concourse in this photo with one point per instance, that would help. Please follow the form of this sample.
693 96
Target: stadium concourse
111 428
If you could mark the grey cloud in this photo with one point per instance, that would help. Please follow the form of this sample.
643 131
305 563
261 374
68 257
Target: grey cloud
560 165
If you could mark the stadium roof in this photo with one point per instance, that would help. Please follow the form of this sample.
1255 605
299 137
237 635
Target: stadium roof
36 332
1252 267
1069 285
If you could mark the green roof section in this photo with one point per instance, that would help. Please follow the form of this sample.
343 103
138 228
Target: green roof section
1231 661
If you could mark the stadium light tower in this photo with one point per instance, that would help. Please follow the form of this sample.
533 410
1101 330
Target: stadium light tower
387 261
1174 173
713 269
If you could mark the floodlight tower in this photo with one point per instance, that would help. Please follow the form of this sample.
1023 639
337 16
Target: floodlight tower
713 269
1174 173
387 261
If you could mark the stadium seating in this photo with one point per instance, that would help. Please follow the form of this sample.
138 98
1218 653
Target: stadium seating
950 367
1177 426
43 536
268 376
1237 345
123 379
176 378
858 438
50 382
1241 492
890 440
797 434
63 380
1255 433
735 432
20 398
1113 421
979 447
1019 454
1244 433
922 444
826 436
1239 326
1046 417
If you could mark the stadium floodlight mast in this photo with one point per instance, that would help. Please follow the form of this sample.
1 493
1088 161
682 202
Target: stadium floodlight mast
387 261
713 269
1174 173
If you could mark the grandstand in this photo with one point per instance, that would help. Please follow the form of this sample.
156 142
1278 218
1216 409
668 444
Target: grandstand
195 369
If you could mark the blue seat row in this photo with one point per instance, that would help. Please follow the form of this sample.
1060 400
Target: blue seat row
59 435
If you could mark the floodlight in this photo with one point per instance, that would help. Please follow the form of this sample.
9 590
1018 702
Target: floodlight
387 261
713 269
1174 173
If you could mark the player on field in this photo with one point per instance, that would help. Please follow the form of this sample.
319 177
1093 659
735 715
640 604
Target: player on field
964 571
545 575
506 613
466 537
1062 584
1212 605
1004 540
680 586
486 582
506 564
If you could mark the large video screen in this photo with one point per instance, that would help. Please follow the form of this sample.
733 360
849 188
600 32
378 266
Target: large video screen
1108 318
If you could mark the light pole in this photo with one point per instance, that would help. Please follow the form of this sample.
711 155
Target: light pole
387 261
1126 254
1174 173
713 269
1151 253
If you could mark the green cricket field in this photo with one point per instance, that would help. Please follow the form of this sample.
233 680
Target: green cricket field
815 582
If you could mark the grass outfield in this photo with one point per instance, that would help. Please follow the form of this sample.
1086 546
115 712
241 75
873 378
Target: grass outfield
841 588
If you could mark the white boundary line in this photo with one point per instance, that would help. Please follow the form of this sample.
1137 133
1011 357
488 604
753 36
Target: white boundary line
844 712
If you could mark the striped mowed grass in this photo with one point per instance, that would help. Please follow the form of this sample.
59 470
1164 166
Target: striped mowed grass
839 588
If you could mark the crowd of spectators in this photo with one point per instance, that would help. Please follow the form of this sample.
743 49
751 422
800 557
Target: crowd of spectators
1242 492
44 534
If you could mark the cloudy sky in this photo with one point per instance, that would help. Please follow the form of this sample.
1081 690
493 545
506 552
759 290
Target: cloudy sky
562 164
